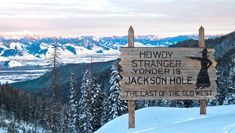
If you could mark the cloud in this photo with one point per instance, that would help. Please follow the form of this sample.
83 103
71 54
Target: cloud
63 9
112 17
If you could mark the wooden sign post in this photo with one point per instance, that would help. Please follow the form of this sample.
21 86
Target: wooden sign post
202 45
166 73
131 103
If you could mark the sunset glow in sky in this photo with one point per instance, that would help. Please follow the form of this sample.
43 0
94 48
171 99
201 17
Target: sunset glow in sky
113 17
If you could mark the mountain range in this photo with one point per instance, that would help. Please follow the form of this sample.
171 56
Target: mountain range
30 51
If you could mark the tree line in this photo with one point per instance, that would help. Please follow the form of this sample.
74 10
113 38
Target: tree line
88 107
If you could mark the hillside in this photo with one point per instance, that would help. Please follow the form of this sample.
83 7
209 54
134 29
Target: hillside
101 70
219 119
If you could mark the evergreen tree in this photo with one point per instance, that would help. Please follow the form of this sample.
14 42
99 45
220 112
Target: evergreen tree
116 106
85 103
104 115
65 119
97 100
230 82
73 106
54 86
54 104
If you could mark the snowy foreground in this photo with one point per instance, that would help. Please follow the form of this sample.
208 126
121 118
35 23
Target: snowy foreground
219 119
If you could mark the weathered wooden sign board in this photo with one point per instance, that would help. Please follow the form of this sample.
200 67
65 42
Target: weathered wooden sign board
167 73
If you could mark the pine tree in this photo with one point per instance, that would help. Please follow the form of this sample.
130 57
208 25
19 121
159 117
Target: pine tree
97 100
54 62
73 106
104 115
65 119
56 91
116 106
85 103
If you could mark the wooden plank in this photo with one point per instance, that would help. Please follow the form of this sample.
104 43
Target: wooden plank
124 97
168 76
128 67
161 62
206 93
155 52
185 50
165 71
167 88
167 94
175 58
160 81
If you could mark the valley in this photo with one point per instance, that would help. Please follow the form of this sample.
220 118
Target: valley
19 74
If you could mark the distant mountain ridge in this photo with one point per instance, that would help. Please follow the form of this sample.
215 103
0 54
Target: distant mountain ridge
29 51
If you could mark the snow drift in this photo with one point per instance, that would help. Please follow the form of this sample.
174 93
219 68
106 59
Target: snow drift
219 119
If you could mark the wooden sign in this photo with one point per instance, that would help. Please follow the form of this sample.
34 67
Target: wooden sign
167 73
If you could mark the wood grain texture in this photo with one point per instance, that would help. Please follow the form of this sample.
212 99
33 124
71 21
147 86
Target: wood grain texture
131 112
202 45
131 103
166 97
203 102
155 63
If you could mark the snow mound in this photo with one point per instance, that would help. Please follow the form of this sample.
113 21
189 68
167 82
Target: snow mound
219 119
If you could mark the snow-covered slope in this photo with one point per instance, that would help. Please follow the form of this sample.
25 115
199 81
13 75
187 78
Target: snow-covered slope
219 119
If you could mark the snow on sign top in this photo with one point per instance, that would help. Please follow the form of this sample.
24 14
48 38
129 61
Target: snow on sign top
167 73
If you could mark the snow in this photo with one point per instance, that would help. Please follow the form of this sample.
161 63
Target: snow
138 44
3 46
14 64
12 75
43 46
219 119
3 58
19 126
2 130
17 45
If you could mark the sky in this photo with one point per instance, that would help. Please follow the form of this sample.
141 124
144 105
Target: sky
113 17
